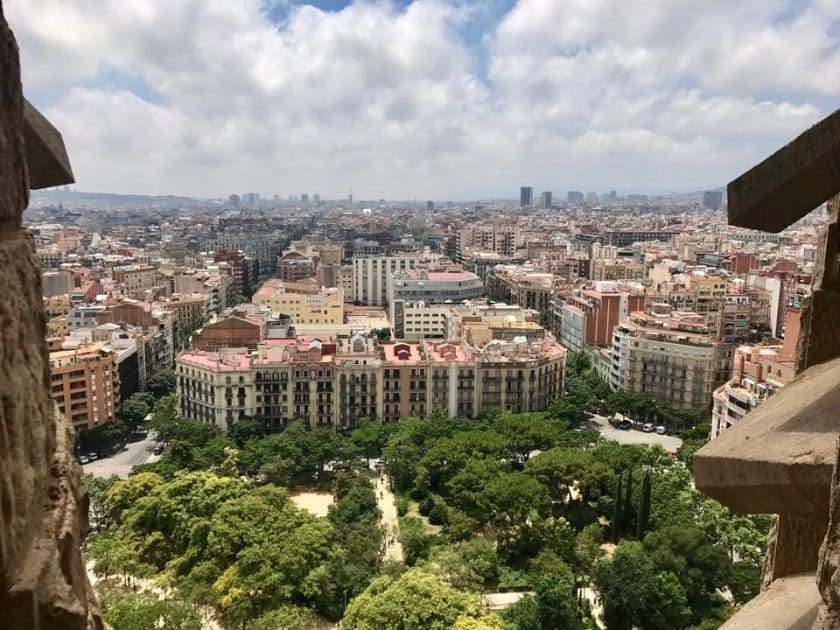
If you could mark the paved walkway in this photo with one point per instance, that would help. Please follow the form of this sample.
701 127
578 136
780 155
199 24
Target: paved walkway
387 505
500 601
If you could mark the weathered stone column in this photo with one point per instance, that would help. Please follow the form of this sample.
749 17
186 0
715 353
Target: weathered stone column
43 503
819 341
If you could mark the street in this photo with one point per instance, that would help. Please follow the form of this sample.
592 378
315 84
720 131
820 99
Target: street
121 463
634 436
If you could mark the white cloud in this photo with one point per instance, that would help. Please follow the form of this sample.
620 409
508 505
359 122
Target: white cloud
578 93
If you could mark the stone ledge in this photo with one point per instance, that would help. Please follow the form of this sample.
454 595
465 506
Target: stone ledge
779 458
789 603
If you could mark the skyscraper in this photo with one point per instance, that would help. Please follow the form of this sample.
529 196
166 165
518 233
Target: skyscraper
430 205
574 196
526 196
546 199
304 198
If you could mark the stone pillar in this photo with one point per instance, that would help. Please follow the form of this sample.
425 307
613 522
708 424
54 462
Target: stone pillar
43 503
819 341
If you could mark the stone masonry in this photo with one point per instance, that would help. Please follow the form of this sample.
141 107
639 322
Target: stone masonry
43 501
782 458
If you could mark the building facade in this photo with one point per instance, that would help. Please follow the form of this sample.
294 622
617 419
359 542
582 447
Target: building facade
671 356
371 274
335 383
85 385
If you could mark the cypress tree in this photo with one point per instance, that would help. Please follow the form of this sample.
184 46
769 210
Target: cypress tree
616 520
627 511
644 508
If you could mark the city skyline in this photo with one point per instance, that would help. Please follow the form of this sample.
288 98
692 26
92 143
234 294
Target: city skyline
432 100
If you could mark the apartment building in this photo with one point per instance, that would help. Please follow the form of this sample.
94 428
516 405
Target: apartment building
243 270
513 284
214 285
85 384
759 373
135 278
295 266
418 320
502 239
371 274
588 316
706 296
670 355
328 382
322 307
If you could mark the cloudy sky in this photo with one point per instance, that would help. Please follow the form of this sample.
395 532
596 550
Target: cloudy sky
433 99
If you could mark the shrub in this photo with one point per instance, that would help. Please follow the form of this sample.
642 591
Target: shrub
425 506
438 514
402 505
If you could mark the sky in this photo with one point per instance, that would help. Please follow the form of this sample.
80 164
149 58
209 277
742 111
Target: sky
430 99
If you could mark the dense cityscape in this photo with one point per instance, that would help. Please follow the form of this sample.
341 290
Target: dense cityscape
419 315
495 398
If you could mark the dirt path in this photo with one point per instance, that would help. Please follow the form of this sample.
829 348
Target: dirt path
387 505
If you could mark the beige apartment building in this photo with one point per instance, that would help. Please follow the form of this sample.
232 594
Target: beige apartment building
323 307
136 277
706 296
328 382
670 355
85 384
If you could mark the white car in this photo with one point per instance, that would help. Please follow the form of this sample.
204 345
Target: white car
647 427
660 430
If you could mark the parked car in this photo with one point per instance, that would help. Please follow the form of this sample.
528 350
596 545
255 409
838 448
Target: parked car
83 459
660 430
158 450
647 427
92 457
625 425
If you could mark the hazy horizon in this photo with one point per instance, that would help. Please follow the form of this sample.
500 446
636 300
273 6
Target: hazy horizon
429 99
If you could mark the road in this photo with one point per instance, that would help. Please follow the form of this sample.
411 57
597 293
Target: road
121 463
669 442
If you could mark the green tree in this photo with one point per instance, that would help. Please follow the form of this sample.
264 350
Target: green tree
466 487
526 432
644 508
616 519
98 488
515 502
125 493
133 611
369 437
164 420
161 383
135 408
627 584
286 618
523 615
700 566
557 599
414 539
247 429
744 582
417 600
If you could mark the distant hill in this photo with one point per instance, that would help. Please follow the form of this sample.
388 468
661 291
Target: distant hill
61 195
